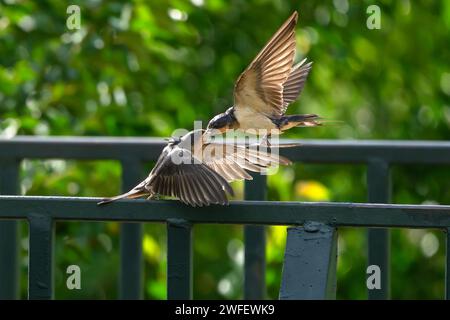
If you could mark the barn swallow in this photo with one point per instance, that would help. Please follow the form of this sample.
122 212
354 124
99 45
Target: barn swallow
265 89
198 172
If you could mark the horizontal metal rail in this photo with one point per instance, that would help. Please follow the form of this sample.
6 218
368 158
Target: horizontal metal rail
320 151
238 212
376 154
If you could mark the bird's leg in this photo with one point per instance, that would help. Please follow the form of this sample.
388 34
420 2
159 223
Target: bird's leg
153 196
265 142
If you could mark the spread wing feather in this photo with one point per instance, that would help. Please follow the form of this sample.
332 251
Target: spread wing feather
260 86
181 179
295 82
232 161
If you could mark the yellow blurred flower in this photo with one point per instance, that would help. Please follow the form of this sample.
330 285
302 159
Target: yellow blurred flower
278 234
276 242
151 249
312 190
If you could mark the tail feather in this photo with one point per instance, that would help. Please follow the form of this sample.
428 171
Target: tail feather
300 120
129 195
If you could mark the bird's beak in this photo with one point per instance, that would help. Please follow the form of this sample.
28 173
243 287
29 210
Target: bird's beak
172 140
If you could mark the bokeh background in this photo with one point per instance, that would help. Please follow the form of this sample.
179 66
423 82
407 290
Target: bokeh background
145 68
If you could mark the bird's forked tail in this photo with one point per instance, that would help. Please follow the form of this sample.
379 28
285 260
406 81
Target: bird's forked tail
300 120
132 194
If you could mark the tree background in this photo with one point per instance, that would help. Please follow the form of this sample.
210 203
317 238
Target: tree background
145 68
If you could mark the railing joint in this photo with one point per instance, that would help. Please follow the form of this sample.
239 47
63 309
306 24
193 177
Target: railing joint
312 226
179 223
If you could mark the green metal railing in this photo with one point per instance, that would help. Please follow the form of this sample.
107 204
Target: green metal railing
41 212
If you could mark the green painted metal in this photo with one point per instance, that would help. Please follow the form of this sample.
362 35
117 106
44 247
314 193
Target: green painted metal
447 266
179 259
379 191
238 212
130 277
40 270
317 151
255 245
377 154
309 268
9 235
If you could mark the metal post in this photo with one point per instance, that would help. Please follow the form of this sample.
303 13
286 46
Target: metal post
309 268
179 260
255 245
131 271
9 234
447 266
40 270
379 191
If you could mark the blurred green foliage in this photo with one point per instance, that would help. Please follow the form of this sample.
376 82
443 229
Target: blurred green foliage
144 68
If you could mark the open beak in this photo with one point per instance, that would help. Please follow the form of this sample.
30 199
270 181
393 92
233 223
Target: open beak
172 140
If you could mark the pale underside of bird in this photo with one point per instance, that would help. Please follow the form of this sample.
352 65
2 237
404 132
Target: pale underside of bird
198 172
267 87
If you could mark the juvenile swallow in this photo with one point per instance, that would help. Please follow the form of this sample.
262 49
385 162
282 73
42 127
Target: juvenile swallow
198 172
265 89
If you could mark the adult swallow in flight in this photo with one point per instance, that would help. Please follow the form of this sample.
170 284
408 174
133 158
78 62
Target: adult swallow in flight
265 89
197 172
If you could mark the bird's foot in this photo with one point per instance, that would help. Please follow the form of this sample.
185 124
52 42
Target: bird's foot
153 197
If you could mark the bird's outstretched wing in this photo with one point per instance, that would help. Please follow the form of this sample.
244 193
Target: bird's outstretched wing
142 188
181 175
260 86
295 82
233 161
177 173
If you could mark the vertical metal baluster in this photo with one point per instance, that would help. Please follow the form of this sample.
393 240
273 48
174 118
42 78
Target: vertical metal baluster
9 234
309 266
179 260
255 245
131 270
40 264
379 191
447 265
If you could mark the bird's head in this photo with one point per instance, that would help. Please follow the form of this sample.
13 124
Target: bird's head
221 123
173 140
217 125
